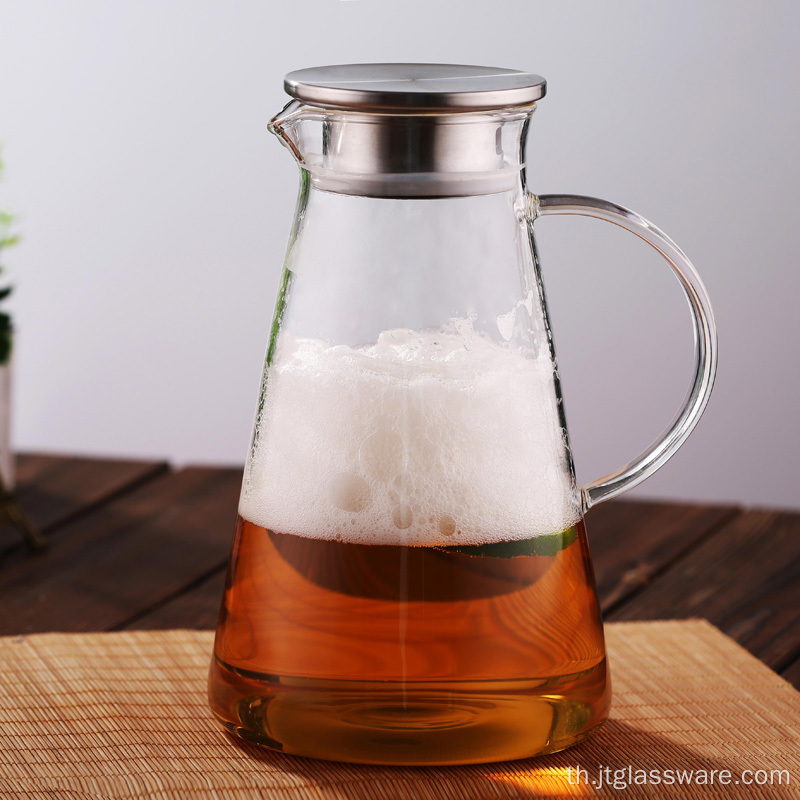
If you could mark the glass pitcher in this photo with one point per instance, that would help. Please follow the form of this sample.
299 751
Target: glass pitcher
410 580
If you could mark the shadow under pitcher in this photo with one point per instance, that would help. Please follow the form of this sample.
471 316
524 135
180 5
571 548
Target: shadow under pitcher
410 580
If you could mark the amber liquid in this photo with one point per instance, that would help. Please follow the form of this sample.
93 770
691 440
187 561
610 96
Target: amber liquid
407 655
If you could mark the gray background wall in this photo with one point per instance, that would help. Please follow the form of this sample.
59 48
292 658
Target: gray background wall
155 210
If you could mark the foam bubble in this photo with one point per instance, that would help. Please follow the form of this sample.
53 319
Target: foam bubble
422 438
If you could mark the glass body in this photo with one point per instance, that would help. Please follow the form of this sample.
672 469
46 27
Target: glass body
410 580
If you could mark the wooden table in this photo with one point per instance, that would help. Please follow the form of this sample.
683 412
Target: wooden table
137 545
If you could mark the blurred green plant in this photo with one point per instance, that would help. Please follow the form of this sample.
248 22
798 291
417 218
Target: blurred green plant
8 238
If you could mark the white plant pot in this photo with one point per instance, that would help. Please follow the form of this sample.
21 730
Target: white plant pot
6 454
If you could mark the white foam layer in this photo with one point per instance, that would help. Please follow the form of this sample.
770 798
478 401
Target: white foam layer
424 438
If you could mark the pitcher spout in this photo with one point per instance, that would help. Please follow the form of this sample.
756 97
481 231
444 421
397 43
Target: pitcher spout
286 126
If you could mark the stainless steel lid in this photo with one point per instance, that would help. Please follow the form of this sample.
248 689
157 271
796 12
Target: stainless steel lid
414 88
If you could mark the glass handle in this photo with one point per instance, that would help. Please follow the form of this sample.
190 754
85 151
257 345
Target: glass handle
705 337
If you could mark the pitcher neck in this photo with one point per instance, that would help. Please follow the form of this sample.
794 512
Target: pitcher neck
400 155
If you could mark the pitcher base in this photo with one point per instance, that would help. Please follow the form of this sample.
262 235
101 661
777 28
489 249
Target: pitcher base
431 723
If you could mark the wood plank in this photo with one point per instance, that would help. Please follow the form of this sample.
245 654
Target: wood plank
55 489
632 540
196 608
125 557
792 673
744 579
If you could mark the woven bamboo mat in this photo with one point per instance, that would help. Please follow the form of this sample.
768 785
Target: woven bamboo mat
124 715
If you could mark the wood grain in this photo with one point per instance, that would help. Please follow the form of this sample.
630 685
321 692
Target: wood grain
792 673
196 608
744 579
55 489
631 541
125 557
